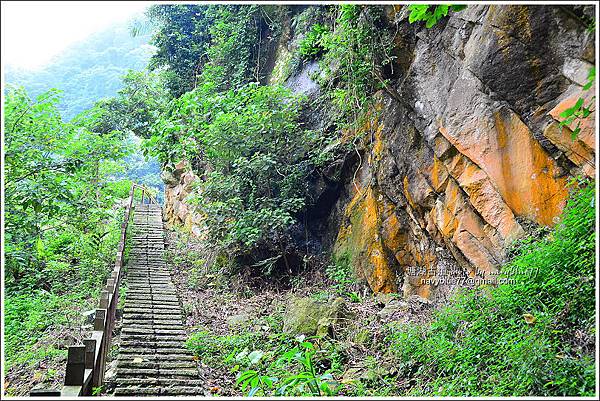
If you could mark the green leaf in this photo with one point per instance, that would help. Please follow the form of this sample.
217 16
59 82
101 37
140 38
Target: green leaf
255 356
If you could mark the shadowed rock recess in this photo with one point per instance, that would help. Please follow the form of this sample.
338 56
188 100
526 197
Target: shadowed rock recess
461 160
152 359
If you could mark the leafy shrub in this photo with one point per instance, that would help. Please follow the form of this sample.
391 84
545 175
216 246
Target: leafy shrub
533 336
341 272
306 380
310 46
219 349
579 110
271 364
61 223
349 61
258 156
431 14
28 315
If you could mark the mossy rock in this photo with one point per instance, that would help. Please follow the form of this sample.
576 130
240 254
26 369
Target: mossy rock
239 321
310 317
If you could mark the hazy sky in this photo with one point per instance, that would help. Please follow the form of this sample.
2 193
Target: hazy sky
33 32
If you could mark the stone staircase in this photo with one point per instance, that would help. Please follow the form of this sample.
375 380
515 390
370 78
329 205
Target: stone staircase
153 359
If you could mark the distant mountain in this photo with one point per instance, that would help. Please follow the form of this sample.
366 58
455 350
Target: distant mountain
89 70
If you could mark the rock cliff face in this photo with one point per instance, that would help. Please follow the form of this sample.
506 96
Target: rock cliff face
178 211
461 154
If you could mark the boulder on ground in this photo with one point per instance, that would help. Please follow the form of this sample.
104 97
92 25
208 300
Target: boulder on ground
310 317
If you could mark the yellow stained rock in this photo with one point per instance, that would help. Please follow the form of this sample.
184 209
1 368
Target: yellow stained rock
526 177
360 238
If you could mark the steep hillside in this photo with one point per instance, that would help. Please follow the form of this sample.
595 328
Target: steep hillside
440 158
361 200
462 150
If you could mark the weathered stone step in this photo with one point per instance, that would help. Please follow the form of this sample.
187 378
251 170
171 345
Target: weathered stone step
162 381
151 337
148 295
153 359
158 357
153 327
154 305
145 301
147 310
154 351
153 292
162 320
144 330
154 322
152 344
156 298
146 364
157 372
155 313
150 327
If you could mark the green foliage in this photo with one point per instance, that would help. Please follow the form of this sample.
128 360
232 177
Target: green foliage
304 380
270 364
181 39
191 38
579 110
310 46
219 349
341 273
431 14
87 71
348 63
532 336
235 42
591 26
257 151
61 229
355 54
141 100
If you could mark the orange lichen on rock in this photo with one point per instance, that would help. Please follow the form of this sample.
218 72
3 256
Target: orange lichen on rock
360 239
526 177
481 192
457 221
439 174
